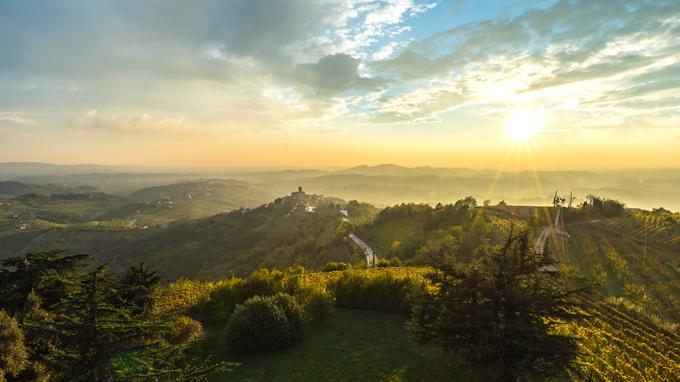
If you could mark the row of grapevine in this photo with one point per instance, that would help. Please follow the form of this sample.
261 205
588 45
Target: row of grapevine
618 346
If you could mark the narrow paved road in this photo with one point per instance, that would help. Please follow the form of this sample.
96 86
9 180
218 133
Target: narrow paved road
371 258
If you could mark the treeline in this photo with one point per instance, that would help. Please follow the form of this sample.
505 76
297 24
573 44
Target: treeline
595 205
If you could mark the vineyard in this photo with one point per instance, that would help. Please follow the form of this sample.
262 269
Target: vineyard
660 229
619 345
617 254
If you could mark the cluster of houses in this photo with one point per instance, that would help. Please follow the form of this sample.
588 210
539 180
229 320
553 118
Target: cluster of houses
15 220
305 202
164 203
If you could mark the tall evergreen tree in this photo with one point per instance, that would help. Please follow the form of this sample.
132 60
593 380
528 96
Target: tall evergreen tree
51 275
13 354
499 312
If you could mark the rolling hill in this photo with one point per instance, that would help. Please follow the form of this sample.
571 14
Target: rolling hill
238 242
182 230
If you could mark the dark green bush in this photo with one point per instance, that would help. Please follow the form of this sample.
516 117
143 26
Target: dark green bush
318 304
265 323
294 316
219 306
336 266
384 292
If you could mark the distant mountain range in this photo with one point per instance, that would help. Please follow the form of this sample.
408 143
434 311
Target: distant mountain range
382 185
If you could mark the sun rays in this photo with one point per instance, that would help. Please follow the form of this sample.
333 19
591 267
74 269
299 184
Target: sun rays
520 127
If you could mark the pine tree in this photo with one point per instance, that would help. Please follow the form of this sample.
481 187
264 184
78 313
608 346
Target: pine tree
51 275
499 313
13 354
93 326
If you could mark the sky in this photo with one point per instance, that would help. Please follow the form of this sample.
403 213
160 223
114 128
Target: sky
317 83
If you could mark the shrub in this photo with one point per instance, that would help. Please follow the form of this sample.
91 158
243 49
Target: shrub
217 307
184 330
294 316
605 207
13 354
265 323
383 292
336 266
318 304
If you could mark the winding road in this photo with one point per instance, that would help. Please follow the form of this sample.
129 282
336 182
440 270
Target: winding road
371 258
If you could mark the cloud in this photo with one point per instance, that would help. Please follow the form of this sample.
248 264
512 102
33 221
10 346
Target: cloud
156 54
272 64
16 118
419 106
96 120
606 58
333 75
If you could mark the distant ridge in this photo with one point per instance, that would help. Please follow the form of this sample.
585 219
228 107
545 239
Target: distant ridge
391 169
40 168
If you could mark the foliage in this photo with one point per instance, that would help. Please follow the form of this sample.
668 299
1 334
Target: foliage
500 312
336 266
318 304
49 274
182 295
83 326
265 323
603 206
620 344
184 330
383 292
617 341
216 307
136 288
13 353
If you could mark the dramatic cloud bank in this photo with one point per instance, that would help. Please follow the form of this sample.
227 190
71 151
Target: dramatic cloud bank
277 67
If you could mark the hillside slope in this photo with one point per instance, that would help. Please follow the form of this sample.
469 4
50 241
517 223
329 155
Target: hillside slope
238 242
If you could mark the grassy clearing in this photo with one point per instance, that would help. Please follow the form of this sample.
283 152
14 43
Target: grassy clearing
351 345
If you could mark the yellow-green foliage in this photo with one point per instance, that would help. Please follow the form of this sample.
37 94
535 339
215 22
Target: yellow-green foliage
323 278
619 264
183 294
184 330
617 345
13 354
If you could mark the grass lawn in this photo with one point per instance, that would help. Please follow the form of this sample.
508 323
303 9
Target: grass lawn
351 345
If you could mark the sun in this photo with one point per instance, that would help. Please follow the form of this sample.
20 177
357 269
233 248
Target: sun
520 127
